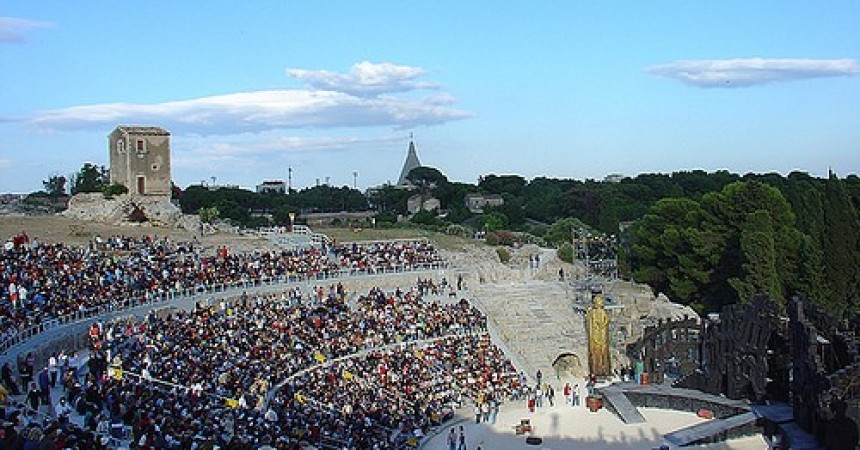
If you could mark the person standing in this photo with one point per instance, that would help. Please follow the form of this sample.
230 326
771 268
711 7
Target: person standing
539 376
62 411
44 381
550 395
531 401
477 412
452 440
462 439
8 379
53 369
566 392
538 396
575 396
34 396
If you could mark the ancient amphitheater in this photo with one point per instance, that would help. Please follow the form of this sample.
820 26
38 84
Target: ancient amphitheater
534 316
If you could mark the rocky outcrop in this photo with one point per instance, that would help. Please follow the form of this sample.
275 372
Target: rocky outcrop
158 211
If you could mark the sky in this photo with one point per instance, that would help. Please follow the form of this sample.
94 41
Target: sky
334 89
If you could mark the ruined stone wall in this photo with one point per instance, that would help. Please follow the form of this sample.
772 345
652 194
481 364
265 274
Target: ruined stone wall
160 211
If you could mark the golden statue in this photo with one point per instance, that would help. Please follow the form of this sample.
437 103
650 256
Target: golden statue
597 322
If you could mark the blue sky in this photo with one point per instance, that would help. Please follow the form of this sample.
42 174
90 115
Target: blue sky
540 88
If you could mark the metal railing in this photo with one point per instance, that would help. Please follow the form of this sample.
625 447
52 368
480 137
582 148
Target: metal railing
160 297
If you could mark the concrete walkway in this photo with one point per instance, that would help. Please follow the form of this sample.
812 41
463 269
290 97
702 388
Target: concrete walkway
566 427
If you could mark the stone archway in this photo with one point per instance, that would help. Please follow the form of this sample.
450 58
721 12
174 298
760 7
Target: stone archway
568 364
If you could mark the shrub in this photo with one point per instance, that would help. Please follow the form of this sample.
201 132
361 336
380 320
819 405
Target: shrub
507 238
504 254
425 217
114 189
491 238
565 253
208 215
457 230
385 217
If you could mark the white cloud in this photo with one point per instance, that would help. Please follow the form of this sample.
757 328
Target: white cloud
257 111
245 145
366 79
250 156
12 29
743 72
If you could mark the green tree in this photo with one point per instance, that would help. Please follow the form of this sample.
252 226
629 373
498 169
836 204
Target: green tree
55 185
562 230
90 178
424 217
758 259
542 198
672 253
811 276
389 199
209 214
458 213
502 184
727 212
494 221
426 180
840 243
511 209
194 198
565 253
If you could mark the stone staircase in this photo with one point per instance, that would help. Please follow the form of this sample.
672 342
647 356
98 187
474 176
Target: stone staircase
535 323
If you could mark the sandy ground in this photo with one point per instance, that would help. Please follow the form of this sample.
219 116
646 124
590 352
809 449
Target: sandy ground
566 427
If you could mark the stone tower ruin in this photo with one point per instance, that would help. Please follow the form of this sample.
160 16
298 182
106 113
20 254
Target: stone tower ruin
140 160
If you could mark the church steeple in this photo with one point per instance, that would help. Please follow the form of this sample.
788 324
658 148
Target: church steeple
410 163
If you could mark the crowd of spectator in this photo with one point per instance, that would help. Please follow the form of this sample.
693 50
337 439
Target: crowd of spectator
386 398
191 379
40 282
386 256
371 371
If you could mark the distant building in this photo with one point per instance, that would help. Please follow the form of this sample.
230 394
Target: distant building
613 178
140 160
272 187
410 163
326 219
414 204
215 187
477 202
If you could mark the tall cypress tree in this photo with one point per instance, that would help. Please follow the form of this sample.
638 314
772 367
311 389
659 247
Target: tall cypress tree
758 255
811 276
840 244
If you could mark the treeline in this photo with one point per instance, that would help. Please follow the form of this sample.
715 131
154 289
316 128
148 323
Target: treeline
769 234
704 239
250 209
